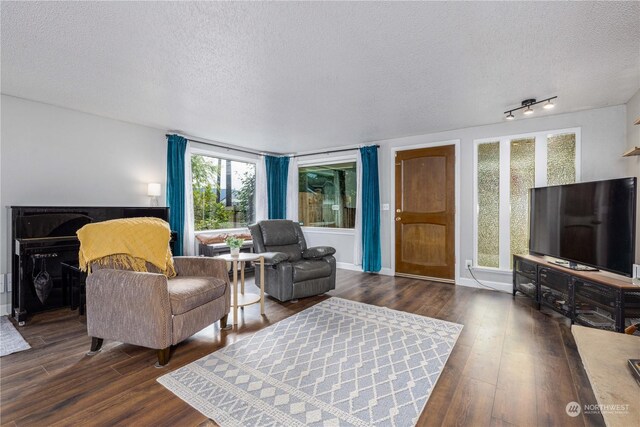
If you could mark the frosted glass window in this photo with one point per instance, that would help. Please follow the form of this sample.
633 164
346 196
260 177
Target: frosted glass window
489 204
523 177
561 159
506 169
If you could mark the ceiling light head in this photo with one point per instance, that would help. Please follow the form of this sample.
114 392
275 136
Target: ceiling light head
527 104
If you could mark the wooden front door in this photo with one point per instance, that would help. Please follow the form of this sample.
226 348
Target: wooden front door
425 212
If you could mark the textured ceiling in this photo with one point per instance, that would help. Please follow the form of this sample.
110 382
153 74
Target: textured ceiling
300 76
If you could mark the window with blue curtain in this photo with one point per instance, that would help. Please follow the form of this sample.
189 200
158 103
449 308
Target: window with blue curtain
277 172
176 148
371 256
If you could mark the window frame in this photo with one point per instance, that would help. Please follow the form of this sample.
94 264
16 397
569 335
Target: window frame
205 150
329 160
504 251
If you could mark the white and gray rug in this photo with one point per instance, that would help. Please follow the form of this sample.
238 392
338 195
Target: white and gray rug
10 339
338 363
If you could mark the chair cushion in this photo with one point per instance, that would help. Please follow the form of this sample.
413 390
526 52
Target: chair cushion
187 293
310 269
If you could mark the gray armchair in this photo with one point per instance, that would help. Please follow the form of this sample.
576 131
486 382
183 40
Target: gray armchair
292 270
149 310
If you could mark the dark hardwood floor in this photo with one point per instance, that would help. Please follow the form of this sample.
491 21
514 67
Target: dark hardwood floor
512 365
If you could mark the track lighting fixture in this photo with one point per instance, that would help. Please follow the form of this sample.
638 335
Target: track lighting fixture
527 104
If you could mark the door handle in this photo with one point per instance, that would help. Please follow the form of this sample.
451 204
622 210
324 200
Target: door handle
398 210
397 218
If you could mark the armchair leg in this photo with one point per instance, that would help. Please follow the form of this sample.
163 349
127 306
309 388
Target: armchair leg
163 357
223 322
96 344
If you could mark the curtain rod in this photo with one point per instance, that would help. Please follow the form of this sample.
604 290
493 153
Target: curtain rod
259 153
226 147
331 151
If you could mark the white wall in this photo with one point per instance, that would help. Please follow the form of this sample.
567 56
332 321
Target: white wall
342 239
633 140
603 142
56 156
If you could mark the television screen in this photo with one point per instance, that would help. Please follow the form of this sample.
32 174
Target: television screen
589 223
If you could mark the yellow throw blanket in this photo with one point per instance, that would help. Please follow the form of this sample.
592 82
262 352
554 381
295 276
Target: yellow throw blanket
127 243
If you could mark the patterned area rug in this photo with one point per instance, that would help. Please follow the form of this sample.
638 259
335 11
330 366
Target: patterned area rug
10 339
338 363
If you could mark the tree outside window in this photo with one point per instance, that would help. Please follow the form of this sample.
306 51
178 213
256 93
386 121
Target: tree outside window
223 193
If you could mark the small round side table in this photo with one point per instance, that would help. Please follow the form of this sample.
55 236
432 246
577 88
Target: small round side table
243 299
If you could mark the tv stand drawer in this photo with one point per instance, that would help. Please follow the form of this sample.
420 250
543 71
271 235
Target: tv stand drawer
525 268
554 279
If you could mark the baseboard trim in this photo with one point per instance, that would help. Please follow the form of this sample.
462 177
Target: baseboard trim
353 267
498 286
348 266
386 272
5 309
463 281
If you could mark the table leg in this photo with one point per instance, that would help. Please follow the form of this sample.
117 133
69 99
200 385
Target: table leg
242 276
262 285
235 292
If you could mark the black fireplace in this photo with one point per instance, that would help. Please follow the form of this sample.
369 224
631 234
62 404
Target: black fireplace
44 237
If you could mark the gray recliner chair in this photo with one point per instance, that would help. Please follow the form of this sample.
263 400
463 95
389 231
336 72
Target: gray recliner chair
292 270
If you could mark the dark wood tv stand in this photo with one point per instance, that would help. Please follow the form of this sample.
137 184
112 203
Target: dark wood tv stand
596 299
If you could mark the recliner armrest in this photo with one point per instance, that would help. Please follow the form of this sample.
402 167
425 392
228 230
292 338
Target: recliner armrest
274 258
318 252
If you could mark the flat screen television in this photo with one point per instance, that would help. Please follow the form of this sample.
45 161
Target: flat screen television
588 223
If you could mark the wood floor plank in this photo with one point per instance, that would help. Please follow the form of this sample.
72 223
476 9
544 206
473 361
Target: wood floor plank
472 404
554 390
45 401
442 394
488 380
579 377
515 403
22 378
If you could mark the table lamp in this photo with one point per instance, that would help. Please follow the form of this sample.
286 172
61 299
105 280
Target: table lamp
153 191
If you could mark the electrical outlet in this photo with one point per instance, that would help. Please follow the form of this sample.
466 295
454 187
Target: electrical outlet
468 263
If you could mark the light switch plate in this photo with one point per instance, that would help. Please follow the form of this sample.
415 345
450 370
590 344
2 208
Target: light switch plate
385 206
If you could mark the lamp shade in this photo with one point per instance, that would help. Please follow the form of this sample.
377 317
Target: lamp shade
153 189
